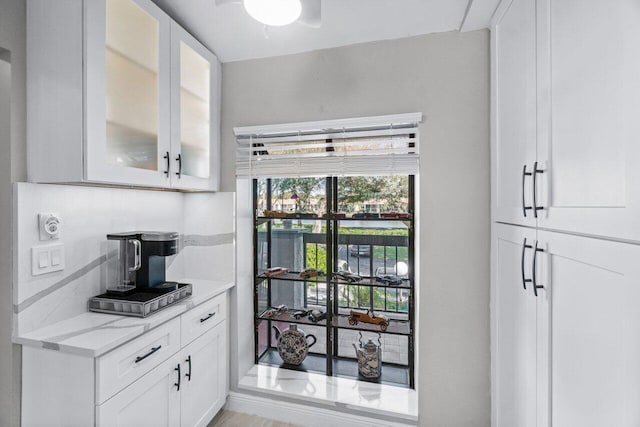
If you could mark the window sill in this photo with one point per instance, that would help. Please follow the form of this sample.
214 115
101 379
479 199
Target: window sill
352 395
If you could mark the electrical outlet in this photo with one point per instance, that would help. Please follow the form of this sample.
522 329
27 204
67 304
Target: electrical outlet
49 226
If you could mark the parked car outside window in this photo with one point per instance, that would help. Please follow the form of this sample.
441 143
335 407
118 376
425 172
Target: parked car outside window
360 250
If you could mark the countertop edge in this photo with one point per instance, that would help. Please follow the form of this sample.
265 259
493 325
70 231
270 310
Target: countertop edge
184 306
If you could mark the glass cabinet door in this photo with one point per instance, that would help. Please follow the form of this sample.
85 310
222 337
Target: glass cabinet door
194 143
131 85
128 92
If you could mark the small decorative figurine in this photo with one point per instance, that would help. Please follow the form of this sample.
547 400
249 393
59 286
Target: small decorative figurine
369 358
292 344
316 315
368 317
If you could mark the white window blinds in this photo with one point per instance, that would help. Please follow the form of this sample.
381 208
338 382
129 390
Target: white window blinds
379 145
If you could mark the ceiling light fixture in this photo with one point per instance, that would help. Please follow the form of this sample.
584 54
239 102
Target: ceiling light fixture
274 12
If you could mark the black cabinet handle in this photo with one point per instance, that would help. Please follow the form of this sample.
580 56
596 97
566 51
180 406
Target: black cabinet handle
204 319
524 248
177 368
153 350
525 174
179 160
188 375
536 208
536 249
166 157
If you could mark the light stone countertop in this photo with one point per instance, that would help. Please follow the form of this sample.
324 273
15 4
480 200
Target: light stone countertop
361 397
93 334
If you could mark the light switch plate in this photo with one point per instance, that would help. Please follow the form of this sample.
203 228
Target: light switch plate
47 259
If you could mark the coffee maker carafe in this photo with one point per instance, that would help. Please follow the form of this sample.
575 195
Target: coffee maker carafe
141 262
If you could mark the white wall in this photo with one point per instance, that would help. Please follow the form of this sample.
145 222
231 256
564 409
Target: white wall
204 221
12 168
445 76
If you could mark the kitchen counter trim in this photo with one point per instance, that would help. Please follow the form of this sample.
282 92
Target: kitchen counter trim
94 334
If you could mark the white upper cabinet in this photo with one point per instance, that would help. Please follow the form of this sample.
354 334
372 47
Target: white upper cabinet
127 92
566 96
514 113
589 132
108 97
195 116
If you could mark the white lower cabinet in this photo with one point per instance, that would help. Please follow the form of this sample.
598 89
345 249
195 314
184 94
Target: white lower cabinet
568 356
152 401
186 390
165 377
592 327
514 333
204 384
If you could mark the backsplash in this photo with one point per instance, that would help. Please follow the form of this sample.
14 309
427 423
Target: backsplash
205 222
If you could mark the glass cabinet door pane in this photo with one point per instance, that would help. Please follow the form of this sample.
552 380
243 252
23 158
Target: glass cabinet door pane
195 72
132 39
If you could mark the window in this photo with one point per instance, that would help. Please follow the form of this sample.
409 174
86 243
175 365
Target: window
336 196
329 224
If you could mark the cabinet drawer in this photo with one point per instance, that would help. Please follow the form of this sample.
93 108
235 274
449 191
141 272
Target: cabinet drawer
124 365
203 317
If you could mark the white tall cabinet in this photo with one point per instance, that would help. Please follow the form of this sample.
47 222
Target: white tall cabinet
564 177
514 318
566 95
514 82
118 93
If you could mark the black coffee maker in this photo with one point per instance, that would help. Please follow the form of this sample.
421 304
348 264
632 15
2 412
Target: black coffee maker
141 263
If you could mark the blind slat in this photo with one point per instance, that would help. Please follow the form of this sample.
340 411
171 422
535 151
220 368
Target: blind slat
354 151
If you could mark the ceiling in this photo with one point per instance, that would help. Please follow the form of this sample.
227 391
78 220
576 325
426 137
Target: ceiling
233 35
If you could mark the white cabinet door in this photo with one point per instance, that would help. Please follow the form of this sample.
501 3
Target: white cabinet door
589 133
204 377
514 112
195 114
593 330
127 92
513 328
153 400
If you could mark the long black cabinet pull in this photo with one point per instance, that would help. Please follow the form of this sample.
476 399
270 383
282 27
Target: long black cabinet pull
177 368
204 319
179 160
153 350
188 374
166 157
536 249
536 208
525 174
524 248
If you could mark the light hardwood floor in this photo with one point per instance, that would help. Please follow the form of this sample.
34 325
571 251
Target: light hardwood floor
236 419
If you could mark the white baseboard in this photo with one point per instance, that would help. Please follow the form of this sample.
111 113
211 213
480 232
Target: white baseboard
309 416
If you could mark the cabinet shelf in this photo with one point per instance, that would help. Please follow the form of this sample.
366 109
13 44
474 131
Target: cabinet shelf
395 327
372 283
366 281
315 217
286 317
344 367
291 277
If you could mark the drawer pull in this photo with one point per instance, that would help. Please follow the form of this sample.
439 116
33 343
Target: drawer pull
153 350
204 319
